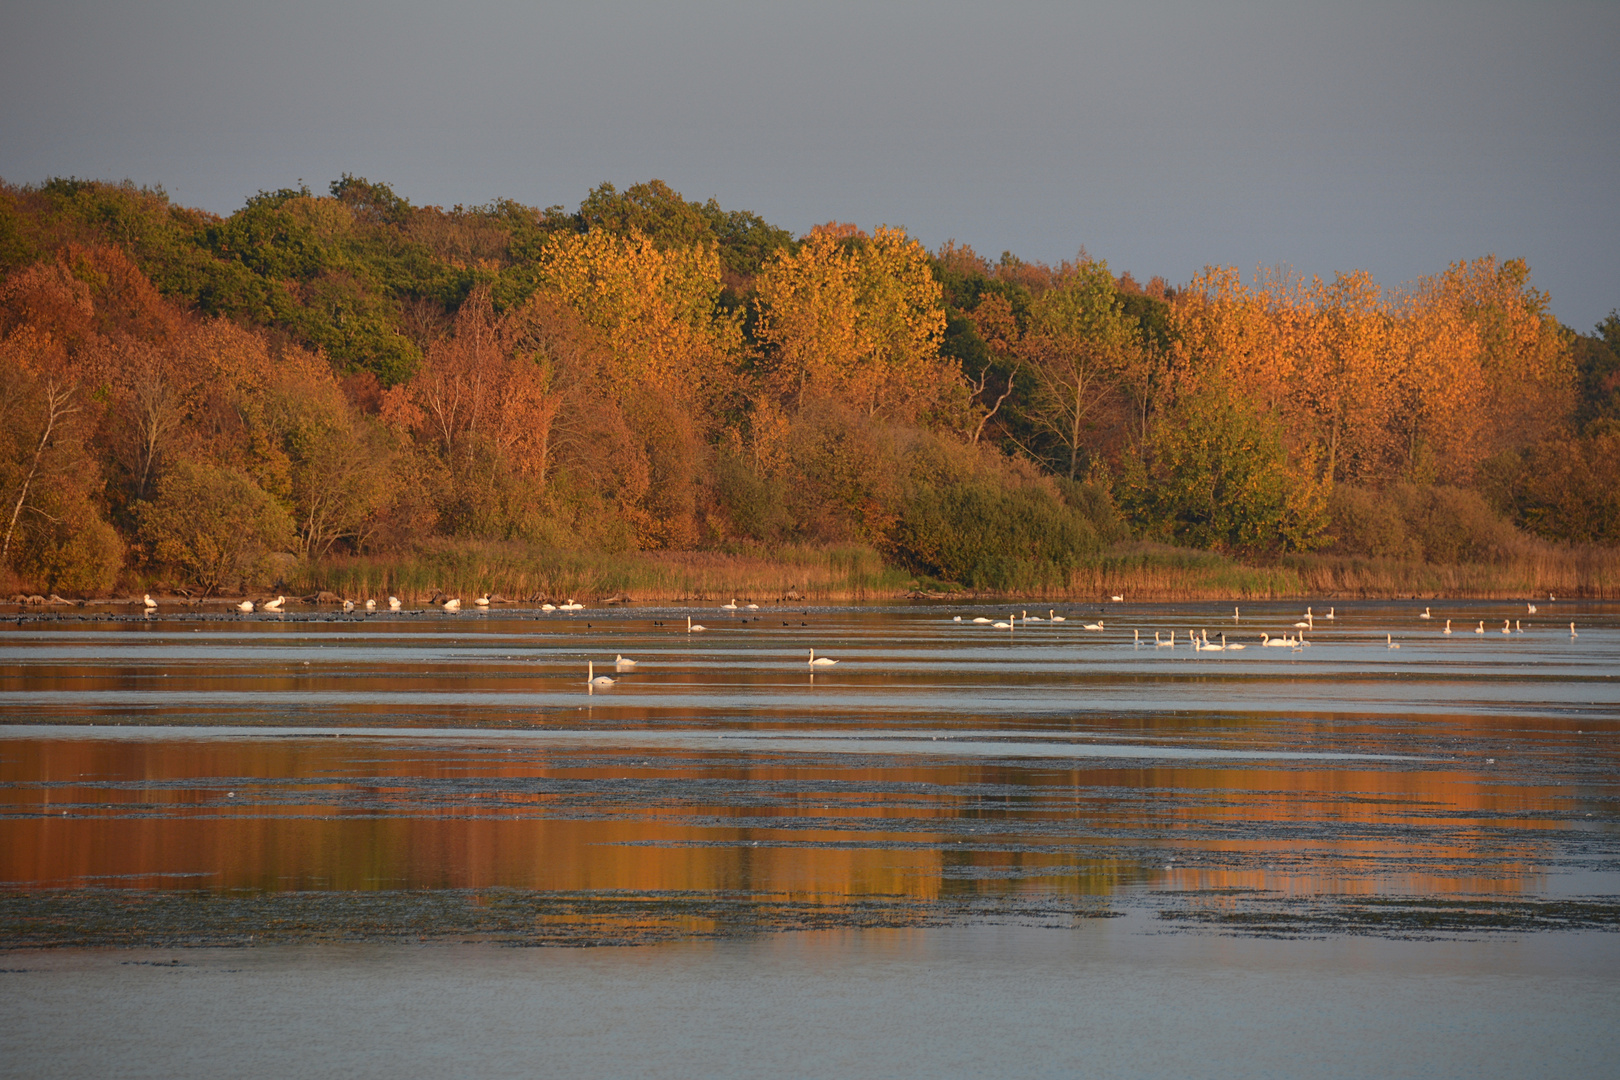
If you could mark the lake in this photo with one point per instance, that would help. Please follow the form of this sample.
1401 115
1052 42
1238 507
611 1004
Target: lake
329 843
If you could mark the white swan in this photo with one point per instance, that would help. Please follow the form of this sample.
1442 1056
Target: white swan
1572 632
245 606
1425 614
148 601
1232 647
1517 628
1447 630
753 607
693 628
1032 618
274 605
981 619
620 663
1506 627
482 601
1234 614
1270 642
453 604
1136 638
1210 646
957 619
393 603
1053 616
593 679
371 605
1329 615
1389 642
1092 625
823 661
1170 644
1117 599
348 606
548 606
1008 625
1531 608
571 606
731 606
1480 629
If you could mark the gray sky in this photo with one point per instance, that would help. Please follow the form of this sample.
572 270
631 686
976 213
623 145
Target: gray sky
1394 137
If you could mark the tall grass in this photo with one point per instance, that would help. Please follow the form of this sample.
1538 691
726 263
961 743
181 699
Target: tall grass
853 572
521 573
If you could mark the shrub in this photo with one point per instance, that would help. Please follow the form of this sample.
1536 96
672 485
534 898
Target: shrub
214 525
989 537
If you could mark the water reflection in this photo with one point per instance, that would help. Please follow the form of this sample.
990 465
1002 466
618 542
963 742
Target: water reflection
935 761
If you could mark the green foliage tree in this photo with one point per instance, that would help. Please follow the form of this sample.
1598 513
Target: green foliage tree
1215 474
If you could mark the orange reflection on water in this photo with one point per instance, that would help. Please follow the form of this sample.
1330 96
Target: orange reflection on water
356 814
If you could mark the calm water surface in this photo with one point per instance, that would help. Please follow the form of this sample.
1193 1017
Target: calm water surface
1208 833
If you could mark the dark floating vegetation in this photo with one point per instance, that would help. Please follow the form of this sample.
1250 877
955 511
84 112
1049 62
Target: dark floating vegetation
1254 913
126 918
129 918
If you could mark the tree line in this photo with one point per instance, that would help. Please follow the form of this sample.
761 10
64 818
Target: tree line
206 398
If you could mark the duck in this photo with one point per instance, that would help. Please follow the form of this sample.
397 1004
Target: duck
245 607
593 679
1389 642
453 604
274 605
393 603
1053 616
621 663
821 661
692 627
1092 625
1425 614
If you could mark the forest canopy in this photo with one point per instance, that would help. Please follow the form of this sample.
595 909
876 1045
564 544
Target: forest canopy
203 398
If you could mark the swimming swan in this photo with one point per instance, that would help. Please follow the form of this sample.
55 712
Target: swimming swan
593 679
822 661
693 628
245 606
622 664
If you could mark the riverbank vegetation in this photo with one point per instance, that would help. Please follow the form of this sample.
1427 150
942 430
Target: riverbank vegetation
658 398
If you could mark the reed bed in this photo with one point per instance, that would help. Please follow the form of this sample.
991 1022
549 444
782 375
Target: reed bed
524 574
854 573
